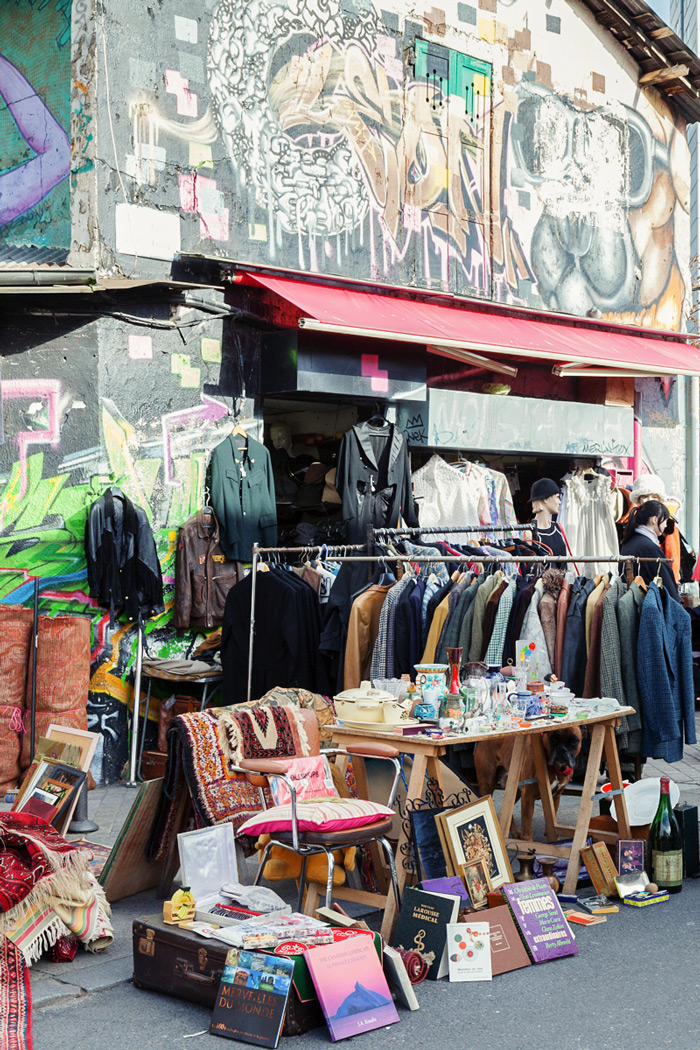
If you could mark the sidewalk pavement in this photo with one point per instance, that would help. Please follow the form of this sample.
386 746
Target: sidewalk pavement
58 983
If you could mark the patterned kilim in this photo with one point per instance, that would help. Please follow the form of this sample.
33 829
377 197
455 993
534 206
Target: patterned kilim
15 999
205 745
47 889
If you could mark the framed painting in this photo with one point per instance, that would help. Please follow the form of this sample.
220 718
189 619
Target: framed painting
473 833
477 882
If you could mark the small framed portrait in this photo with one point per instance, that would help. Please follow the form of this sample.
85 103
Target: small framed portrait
630 856
477 882
472 832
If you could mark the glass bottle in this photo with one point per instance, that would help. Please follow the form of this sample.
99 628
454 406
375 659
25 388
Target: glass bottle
666 845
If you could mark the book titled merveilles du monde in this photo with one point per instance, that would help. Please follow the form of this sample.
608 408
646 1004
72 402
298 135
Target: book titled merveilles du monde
351 987
541 923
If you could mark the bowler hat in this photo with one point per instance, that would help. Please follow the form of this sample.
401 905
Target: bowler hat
543 489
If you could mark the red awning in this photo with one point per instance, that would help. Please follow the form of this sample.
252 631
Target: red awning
461 332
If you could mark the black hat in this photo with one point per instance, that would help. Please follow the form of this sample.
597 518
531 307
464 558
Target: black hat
543 489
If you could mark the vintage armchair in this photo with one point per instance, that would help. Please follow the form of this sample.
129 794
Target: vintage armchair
289 835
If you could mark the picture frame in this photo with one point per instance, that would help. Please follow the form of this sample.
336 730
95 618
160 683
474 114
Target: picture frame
472 833
477 883
630 856
51 791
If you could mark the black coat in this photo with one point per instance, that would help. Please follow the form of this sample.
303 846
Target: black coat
243 497
374 479
122 562
644 547
287 629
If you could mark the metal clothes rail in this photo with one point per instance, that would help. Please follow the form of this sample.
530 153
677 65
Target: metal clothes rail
466 559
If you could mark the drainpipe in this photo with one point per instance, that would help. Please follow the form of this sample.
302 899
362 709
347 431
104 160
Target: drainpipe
637 453
692 502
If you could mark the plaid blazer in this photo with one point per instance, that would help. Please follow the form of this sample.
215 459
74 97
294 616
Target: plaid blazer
665 676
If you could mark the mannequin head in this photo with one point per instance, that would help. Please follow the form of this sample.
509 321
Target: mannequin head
545 498
281 436
646 487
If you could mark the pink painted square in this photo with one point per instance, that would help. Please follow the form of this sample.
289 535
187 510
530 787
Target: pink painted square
140 347
215 227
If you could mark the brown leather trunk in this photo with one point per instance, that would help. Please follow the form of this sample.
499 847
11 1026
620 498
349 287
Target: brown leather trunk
153 764
180 963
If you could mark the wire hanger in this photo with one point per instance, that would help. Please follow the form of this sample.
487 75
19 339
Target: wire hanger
378 418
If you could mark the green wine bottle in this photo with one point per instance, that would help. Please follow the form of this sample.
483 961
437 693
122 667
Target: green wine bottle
666 845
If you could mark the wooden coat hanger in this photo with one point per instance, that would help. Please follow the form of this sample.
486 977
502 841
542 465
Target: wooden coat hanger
640 583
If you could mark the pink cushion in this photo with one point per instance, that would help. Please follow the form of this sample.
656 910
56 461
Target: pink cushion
311 777
332 814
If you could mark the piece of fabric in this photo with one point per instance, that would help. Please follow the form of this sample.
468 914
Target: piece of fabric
363 628
311 777
590 518
15 998
202 747
62 676
629 612
14 658
552 580
532 631
665 676
591 686
47 889
203 577
340 814
562 613
383 651
373 477
448 497
611 683
573 669
482 597
436 625
243 497
494 653
122 562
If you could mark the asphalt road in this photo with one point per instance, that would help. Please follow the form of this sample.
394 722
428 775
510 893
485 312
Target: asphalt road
635 985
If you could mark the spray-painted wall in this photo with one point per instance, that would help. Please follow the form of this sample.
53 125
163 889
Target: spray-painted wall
35 82
86 405
471 148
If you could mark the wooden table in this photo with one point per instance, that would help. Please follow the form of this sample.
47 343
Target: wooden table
426 753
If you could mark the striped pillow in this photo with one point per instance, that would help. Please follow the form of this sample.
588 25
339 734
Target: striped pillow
328 814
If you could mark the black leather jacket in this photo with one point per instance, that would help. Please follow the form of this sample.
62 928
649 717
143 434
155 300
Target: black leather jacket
122 562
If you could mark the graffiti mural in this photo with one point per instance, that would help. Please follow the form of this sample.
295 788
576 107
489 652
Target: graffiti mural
34 115
460 149
65 442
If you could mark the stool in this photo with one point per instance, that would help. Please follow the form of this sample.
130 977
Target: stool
206 681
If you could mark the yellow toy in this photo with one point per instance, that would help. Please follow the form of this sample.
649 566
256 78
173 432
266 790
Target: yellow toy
283 864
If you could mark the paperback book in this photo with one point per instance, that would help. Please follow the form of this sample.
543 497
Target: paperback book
351 987
544 930
468 951
252 997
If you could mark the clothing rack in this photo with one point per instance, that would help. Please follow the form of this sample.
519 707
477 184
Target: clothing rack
466 559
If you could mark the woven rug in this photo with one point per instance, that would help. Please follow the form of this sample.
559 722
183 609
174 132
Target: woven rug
15 999
47 890
203 746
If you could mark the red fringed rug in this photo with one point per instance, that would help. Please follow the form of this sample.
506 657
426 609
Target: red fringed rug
15 998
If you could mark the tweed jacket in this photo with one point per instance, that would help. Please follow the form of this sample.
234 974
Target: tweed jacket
629 611
494 653
482 597
611 683
665 676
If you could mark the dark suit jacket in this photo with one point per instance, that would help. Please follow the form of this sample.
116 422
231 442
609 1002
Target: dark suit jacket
665 676
243 498
375 486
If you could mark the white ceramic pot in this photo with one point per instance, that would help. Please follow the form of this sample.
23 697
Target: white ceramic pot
364 704
395 713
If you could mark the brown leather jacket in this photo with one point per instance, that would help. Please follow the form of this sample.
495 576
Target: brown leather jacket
203 577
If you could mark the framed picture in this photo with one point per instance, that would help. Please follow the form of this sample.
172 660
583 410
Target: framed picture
477 882
630 856
51 791
473 833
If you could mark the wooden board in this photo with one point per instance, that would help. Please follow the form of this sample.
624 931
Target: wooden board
127 870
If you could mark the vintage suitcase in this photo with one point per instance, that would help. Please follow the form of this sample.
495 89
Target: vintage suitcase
177 962
153 765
